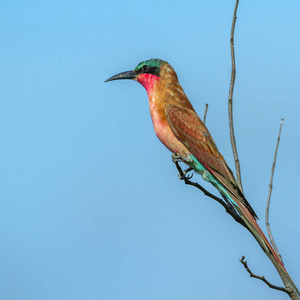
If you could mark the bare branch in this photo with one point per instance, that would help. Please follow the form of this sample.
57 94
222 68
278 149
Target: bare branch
205 113
270 193
272 286
226 204
233 71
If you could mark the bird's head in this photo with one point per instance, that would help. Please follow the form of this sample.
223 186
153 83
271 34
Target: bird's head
146 73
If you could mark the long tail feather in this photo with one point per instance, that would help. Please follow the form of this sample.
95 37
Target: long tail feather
256 231
258 234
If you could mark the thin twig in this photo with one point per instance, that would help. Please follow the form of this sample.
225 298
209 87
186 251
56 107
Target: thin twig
233 71
272 286
205 113
227 205
270 193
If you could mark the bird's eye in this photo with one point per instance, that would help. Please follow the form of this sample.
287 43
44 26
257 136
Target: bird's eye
145 68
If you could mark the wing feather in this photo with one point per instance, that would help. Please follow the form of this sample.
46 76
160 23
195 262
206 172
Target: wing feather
192 132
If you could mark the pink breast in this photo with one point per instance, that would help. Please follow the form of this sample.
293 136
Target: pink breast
165 134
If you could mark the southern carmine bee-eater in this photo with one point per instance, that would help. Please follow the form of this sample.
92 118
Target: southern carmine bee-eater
180 129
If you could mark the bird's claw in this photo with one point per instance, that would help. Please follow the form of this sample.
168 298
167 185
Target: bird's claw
184 176
189 176
176 157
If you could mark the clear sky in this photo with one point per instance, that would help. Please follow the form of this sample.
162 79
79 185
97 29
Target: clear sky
91 205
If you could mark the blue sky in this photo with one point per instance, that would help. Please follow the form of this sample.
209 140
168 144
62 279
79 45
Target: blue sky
91 205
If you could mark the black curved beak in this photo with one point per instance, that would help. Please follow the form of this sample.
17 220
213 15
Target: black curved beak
123 75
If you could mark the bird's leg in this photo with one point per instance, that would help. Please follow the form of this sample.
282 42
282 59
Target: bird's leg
176 158
186 171
226 204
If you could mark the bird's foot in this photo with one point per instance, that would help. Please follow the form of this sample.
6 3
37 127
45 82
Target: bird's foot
183 175
176 158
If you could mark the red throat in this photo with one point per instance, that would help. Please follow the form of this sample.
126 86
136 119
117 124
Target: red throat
148 81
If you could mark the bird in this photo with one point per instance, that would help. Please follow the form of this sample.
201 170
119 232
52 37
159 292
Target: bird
181 130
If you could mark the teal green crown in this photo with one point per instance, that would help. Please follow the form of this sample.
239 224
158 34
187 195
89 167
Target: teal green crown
152 63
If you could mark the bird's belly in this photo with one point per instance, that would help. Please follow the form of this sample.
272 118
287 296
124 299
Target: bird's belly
167 137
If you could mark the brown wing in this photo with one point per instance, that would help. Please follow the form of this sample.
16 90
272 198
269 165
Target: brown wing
191 131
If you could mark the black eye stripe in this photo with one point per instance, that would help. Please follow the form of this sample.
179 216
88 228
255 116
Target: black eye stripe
148 70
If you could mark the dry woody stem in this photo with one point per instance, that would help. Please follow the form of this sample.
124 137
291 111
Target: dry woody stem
205 113
272 286
270 193
232 80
